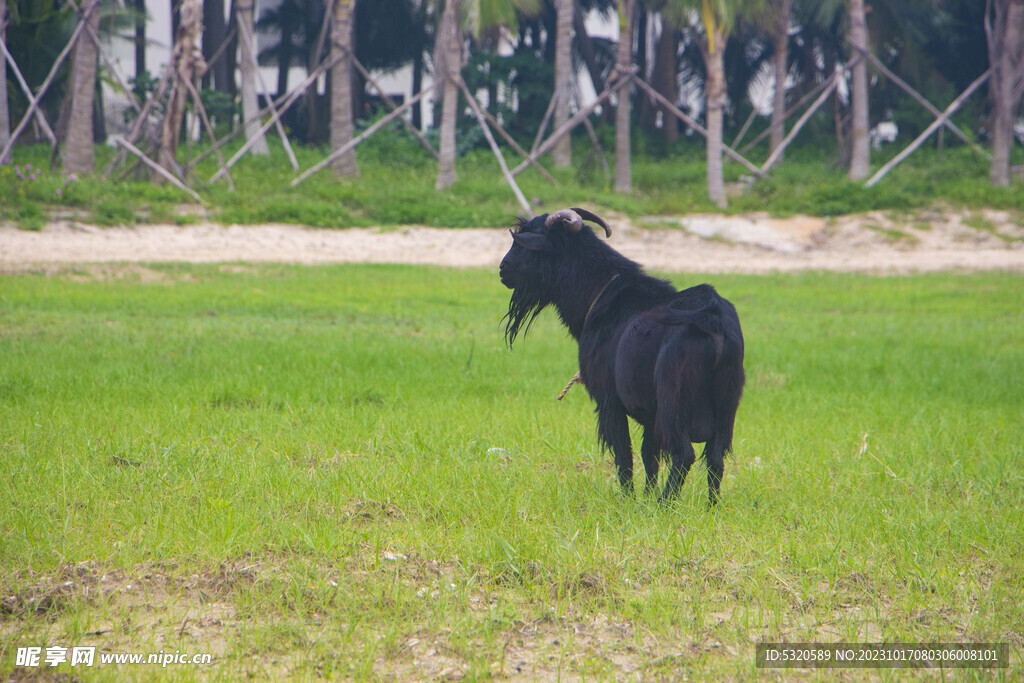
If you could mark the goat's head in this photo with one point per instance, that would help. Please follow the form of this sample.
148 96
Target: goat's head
532 266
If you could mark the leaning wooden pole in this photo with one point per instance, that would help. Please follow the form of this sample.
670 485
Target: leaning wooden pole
40 117
285 101
159 170
807 97
544 123
777 152
140 121
365 134
678 113
570 124
245 31
938 123
198 102
48 80
475 106
932 109
187 56
516 146
391 103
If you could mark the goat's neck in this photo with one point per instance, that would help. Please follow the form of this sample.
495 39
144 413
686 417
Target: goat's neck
575 309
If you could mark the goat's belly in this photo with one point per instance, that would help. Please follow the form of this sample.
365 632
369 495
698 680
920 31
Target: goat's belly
635 361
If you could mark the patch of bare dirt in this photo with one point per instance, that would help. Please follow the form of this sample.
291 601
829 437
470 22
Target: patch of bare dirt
874 242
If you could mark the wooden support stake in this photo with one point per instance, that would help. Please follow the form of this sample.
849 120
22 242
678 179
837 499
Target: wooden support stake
40 117
807 97
777 153
391 103
475 106
516 146
110 65
571 123
544 122
932 109
249 143
247 37
593 137
209 128
745 127
140 121
663 101
365 134
158 169
286 101
939 122
49 80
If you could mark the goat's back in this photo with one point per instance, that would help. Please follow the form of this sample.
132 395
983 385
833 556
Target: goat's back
680 364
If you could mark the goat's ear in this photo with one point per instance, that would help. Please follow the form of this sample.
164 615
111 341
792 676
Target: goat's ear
531 241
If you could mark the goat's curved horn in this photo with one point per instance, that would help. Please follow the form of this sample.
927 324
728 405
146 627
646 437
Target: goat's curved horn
591 216
572 220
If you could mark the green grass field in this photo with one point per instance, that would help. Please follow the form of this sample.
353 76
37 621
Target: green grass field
342 472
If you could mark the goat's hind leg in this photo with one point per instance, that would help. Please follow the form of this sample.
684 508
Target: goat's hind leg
649 452
714 455
682 460
613 429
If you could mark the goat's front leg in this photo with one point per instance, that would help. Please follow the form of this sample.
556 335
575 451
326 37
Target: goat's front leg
613 429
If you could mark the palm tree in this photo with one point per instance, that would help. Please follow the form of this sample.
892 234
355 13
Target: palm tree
448 48
664 75
341 88
287 22
214 34
860 151
139 40
79 145
623 152
5 115
447 63
1004 27
562 153
717 18
247 70
774 17
780 61
186 42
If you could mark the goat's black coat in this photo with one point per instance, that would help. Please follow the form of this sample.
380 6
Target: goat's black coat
673 361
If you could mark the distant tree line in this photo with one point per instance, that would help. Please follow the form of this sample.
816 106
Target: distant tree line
522 58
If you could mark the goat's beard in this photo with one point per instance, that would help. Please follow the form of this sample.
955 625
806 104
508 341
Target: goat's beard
525 305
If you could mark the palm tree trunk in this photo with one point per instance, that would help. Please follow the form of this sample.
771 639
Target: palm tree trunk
5 114
78 145
663 77
284 57
140 36
716 99
624 62
860 152
341 88
448 58
247 67
562 153
780 38
214 33
186 42
1005 39
417 85
586 48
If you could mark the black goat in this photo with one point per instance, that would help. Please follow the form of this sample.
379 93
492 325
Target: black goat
673 361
